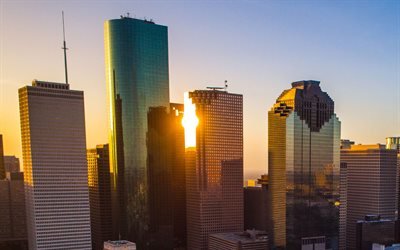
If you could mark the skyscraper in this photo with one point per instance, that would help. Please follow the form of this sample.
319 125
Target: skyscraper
99 195
214 164
256 207
11 164
303 166
12 213
371 186
166 177
137 78
55 167
394 143
343 205
2 169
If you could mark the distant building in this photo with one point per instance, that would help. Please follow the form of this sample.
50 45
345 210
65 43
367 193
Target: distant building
251 183
394 143
11 164
99 195
13 234
313 243
55 166
372 230
214 164
2 169
247 240
346 144
303 166
371 178
256 207
119 245
343 206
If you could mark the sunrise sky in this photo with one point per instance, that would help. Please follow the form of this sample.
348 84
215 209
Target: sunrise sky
260 47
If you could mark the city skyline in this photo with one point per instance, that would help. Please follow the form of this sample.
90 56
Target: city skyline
354 59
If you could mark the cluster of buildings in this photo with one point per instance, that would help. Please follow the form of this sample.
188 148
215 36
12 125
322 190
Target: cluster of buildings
171 175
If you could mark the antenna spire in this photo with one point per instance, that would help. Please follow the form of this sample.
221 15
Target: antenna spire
65 51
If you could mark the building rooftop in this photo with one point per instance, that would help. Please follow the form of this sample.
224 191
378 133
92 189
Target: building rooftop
119 244
247 236
50 85
366 147
304 83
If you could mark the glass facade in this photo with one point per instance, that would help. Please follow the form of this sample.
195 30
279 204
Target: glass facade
304 155
137 78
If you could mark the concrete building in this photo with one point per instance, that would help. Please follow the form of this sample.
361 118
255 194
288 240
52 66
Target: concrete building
13 233
303 166
247 240
11 164
343 206
213 122
256 207
394 143
99 195
313 243
119 245
2 169
371 186
55 167
374 230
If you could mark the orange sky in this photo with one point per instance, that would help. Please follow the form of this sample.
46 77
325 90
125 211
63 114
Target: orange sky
259 47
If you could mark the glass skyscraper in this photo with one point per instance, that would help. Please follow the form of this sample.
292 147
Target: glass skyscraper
136 53
303 166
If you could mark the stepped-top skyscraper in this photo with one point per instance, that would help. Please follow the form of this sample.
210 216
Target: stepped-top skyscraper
303 153
55 167
137 78
214 165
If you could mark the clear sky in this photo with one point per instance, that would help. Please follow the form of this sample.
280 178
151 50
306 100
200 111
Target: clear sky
260 47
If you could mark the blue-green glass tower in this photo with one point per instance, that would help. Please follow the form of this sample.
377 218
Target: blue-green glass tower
136 53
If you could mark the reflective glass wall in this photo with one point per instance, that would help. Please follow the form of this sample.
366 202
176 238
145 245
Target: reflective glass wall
137 78
304 144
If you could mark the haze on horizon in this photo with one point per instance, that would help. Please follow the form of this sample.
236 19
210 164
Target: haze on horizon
352 47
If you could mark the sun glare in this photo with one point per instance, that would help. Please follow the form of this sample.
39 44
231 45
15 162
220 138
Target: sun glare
189 121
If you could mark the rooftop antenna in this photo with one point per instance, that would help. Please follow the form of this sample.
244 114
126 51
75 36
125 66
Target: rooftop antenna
220 88
65 51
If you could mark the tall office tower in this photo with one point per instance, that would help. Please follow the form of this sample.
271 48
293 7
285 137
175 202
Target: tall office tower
371 185
303 166
214 164
177 147
99 195
343 206
2 169
55 167
256 207
12 213
11 164
137 78
394 143
166 177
